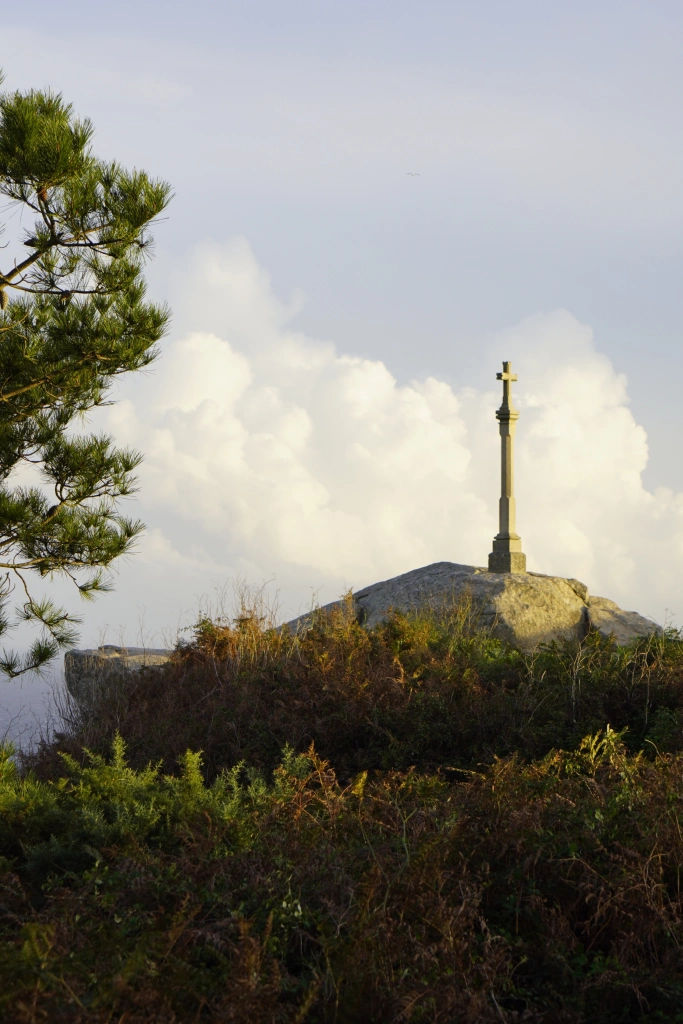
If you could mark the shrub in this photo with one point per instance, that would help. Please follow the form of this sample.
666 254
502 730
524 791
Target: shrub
453 834
541 892
422 692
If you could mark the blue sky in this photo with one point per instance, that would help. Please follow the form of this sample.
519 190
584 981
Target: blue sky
548 153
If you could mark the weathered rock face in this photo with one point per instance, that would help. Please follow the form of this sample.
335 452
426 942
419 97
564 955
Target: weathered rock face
522 608
87 671
608 618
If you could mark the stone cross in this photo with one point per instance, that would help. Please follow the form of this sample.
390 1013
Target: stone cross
507 554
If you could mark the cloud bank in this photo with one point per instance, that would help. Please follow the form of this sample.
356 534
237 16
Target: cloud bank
268 453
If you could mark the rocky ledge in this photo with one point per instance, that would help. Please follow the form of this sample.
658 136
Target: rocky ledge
85 671
522 608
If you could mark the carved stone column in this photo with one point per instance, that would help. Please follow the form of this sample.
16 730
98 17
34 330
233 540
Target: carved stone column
507 554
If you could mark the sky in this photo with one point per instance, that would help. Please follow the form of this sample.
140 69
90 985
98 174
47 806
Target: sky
322 415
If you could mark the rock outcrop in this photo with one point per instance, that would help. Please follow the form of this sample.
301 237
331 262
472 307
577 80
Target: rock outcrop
522 608
87 671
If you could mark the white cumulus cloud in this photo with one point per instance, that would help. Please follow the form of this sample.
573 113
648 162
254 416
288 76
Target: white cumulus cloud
270 453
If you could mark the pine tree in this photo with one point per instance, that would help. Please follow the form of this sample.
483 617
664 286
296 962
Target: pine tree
73 317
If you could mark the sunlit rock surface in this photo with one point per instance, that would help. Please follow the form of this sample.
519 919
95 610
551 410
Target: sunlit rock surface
522 608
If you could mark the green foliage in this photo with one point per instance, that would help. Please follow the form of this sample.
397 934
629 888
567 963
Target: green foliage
476 845
546 891
73 317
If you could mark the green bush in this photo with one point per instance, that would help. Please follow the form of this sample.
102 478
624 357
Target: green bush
547 891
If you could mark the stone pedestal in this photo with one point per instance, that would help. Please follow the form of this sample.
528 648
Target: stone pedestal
507 561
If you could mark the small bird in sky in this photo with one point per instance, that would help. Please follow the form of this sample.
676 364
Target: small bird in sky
414 174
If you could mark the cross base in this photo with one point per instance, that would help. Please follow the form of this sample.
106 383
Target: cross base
507 561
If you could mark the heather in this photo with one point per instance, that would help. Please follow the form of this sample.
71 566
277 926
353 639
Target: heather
409 823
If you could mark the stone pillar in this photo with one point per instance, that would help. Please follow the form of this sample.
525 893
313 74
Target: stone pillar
507 554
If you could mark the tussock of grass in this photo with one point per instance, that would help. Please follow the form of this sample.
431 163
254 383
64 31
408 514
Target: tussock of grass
466 840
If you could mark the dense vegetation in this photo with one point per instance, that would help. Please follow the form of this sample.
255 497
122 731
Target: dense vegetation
410 823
